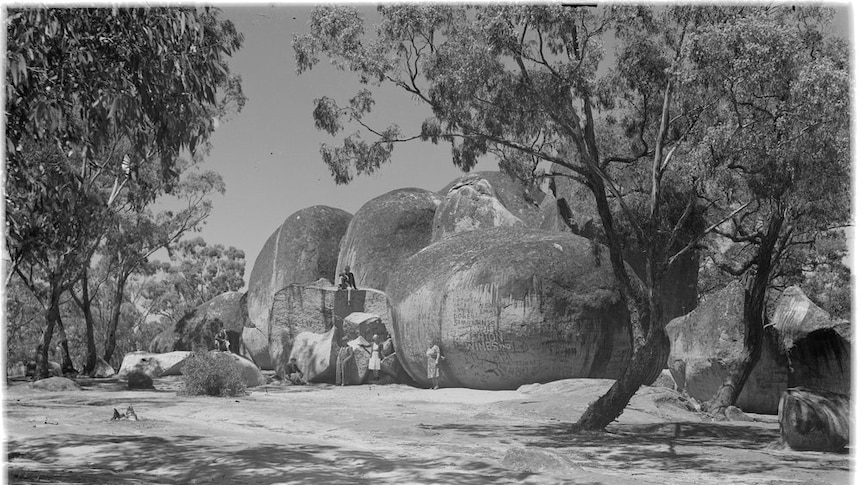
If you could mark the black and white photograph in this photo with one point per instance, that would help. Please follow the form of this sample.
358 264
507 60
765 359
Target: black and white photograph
592 243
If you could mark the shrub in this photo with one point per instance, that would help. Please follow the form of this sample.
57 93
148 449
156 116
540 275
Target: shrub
212 374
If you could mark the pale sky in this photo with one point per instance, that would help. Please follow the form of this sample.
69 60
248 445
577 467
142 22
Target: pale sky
269 153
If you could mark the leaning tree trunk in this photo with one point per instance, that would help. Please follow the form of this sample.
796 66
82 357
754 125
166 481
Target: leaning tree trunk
754 319
84 304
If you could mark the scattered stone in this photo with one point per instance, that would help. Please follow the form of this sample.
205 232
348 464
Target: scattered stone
103 369
384 232
55 384
139 380
509 307
303 249
812 419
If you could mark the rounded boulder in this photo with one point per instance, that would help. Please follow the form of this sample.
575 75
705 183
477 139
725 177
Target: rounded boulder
197 329
483 200
384 232
509 307
303 249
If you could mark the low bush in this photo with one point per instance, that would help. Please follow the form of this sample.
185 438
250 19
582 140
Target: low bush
212 374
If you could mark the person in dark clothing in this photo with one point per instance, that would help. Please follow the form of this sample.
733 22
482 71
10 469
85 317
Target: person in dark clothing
293 372
221 341
347 280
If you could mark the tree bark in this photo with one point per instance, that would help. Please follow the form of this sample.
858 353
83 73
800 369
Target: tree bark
86 309
52 314
111 340
67 365
754 319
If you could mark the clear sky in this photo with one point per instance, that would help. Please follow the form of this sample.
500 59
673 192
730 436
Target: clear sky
269 153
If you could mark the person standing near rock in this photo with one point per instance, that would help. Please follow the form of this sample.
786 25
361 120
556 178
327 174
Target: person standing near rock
374 361
345 354
434 356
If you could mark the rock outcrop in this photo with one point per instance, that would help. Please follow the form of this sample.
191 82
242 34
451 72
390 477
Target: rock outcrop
709 340
254 345
817 347
814 419
315 354
153 365
508 307
317 309
196 330
384 232
303 249
55 384
139 380
103 369
483 200
248 371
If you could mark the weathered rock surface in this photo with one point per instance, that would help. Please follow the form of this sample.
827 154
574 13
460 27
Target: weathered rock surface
139 380
509 307
709 340
103 369
153 365
196 331
814 419
315 353
384 232
364 324
55 384
249 372
302 250
317 309
483 200
818 347
254 346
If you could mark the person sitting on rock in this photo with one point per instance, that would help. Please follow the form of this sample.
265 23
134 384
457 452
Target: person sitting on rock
221 341
293 373
347 280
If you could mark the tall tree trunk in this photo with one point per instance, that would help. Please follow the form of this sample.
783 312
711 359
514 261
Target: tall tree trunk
67 365
52 314
86 309
111 341
754 319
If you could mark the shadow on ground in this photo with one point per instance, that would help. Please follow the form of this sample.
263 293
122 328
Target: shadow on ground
193 459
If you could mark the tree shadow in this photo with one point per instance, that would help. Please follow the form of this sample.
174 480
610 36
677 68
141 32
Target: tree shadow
189 459
666 446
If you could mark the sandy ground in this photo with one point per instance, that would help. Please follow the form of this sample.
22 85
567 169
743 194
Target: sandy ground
388 434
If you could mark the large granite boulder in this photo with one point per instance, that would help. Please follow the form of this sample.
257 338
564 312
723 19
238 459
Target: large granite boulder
814 419
196 330
254 346
817 347
508 307
316 309
708 341
315 354
303 249
366 325
248 371
103 369
153 365
384 232
483 200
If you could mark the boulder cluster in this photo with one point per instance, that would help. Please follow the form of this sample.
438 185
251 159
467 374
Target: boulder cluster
512 283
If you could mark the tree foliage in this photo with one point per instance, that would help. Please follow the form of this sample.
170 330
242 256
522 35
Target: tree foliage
84 78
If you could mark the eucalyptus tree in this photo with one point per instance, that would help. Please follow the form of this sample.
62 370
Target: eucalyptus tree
531 86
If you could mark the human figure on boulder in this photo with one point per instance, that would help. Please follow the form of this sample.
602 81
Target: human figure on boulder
374 361
294 373
347 280
221 341
434 356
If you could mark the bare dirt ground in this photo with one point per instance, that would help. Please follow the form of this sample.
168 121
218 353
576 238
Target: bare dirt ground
388 434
